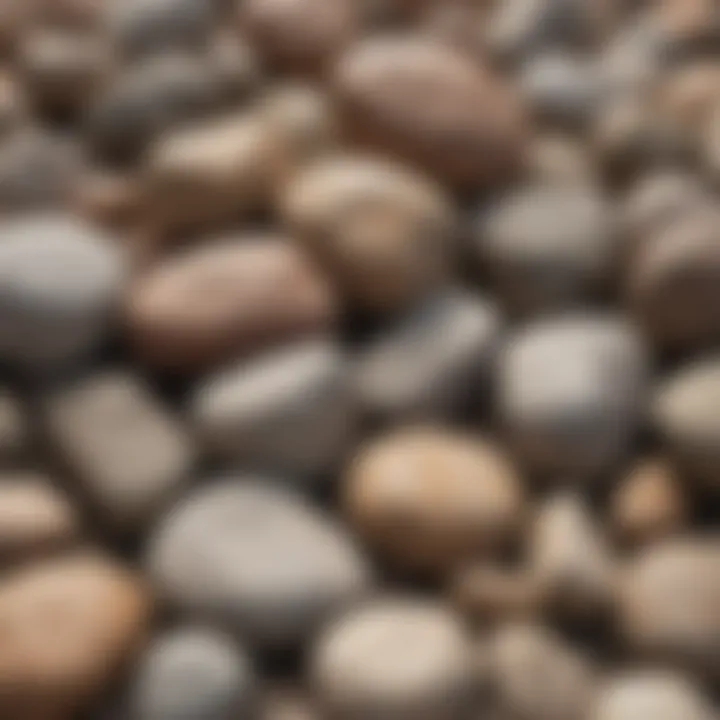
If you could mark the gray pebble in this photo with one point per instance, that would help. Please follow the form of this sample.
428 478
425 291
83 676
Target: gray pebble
570 393
430 362
289 411
59 280
258 556
547 246
399 659
127 452
192 673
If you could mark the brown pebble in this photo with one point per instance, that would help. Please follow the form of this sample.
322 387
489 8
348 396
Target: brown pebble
14 429
430 499
224 301
67 627
425 102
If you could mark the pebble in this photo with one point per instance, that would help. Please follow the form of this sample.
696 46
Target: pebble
36 518
570 394
300 35
651 693
383 232
15 429
537 675
429 498
394 658
406 373
59 283
67 626
263 291
649 503
287 704
422 101
247 552
547 246
192 673
670 602
128 454
290 411
560 159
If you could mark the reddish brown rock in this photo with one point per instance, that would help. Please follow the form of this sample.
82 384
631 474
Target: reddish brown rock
225 301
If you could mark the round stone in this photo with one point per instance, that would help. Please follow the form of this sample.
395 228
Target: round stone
570 393
15 429
382 231
289 411
429 499
249 553
423 101
224 301
192 673
59 284
397 658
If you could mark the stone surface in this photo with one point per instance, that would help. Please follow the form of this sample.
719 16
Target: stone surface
15 430
263 291
290 411
395 658
429 498
68 627
128 454
192 673
257 556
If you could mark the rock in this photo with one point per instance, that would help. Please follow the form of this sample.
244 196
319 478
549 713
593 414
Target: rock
673 283
671 603
35 518
287 704
63 70
383 232
68 627
249 553
570 393
429 499
407 374
108 198
570 560
420 100
646 693
689 92
547 246
237 66
558 159
290 411
394 658
648 504
15 435
562 90
299 35
13 104
193 673
128 454
149 99
59 282
538 676
264 292
461 23
689 25
151 27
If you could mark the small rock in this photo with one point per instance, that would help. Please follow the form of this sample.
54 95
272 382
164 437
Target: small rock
407 374
13 104
653 694
257 556
290 411
59 282
571 390
68 626
711 141
430 499
263 292
108 198
287 704
570 560
547 246
538 676
397 658
192 673
671 603
299 35
689 93
237 66
556 159
420 100
383 232
35 518
15 431
127 453
689 25
648 504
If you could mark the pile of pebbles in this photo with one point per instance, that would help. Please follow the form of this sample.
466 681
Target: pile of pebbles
359 359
